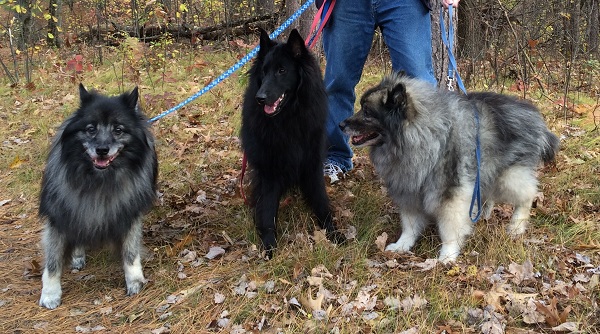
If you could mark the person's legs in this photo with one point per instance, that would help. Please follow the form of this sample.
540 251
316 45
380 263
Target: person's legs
347 39
406 29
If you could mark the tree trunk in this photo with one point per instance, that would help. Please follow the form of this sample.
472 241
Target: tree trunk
440 52
54 9
135 17
305 20
24 25
594 29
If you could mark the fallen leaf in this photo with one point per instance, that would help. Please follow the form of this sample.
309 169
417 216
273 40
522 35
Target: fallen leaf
178 247
34 269
314 281
350 232
521 272
409 304
319 236
550 312
16 163
105 310
364 301
219 298
494 322
496 297
188 256
392 302
213 252
426 265
81 329
321 271
570 327
133 317
161 330
381 241
310 303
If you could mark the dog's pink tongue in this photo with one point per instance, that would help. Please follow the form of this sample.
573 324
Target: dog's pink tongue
270 109
357 138
101 163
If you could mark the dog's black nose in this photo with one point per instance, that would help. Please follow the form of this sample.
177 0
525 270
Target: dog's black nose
261 98
342 125
102 151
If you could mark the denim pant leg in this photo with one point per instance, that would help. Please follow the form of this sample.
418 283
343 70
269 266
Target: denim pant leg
347 40
406 29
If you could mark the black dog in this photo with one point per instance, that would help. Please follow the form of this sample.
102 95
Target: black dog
283 133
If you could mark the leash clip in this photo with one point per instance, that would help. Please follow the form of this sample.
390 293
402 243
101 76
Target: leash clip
450 84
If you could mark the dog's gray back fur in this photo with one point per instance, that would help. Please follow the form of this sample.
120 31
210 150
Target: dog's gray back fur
431 146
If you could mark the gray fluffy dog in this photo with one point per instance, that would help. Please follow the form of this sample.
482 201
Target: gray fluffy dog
422 144
100 179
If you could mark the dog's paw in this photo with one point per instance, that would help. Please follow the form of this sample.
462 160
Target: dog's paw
398 247
449 253
269 242
50 300
516 228
268 253
337 237
135 286
78 258
78 263
404 243
443 259
51 289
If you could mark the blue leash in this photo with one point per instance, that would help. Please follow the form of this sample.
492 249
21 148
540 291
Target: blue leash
448 39
237 65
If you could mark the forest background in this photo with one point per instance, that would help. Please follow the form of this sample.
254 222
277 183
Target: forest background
204 265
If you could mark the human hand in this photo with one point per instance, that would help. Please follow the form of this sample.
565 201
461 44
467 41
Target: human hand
446 3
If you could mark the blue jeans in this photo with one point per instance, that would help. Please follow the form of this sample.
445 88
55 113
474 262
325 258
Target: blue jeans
347 39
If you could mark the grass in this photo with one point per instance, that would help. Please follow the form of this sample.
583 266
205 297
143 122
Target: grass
201 207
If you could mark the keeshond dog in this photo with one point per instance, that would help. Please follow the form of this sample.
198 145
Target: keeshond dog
283 133
99 180
422 144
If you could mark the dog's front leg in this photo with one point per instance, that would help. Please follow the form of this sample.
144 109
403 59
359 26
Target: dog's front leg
78 258
454 225
54 250
267 195
313 190
413 224
132 263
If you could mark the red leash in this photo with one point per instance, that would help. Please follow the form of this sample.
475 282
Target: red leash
244 165
321 18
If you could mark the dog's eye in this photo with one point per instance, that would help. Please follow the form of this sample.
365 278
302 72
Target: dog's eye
118 130
281 70
90 129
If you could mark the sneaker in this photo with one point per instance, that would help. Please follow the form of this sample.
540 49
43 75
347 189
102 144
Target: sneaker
332 171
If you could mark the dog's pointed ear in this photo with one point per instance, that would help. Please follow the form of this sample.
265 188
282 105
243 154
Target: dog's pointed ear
296 44
131 99
265 43
84 95
396 98
399 101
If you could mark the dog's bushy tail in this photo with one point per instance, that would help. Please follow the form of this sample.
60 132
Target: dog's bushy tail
551 146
